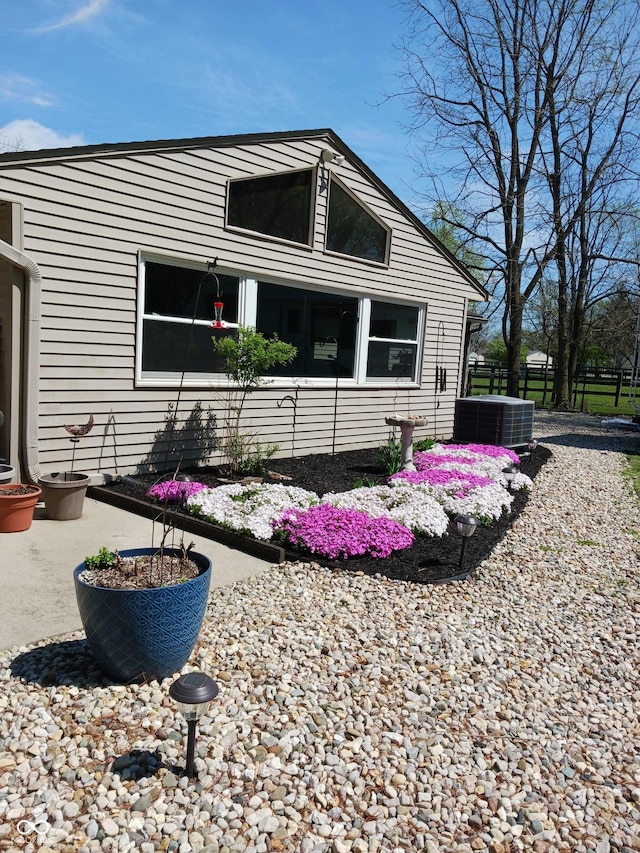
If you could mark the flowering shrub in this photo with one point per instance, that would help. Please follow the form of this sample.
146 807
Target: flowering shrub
248 509
485 459
414 508
459 492
342 533
455 481
466 478
487 503
376 520
173 490
493 451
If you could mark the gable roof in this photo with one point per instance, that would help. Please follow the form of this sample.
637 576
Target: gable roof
81 152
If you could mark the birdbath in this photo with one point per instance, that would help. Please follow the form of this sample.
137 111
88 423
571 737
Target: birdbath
407 424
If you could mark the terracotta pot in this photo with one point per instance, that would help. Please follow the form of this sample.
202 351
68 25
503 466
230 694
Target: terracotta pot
16 510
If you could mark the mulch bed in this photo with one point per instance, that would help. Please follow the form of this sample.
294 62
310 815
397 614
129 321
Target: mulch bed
429 560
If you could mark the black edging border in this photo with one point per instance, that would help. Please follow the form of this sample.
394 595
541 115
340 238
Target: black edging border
253 547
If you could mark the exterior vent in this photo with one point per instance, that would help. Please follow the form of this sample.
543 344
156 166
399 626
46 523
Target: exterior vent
493 419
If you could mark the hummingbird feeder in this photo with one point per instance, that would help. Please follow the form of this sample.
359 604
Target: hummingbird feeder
218 305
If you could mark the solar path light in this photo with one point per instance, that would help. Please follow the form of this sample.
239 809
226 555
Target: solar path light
509 474
466 527
192 693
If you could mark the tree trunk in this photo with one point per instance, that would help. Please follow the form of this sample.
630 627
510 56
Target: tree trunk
514 345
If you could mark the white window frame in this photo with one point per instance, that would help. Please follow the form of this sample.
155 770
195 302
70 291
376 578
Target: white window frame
247 313
418 342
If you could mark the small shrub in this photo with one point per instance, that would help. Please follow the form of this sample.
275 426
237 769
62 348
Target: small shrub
248 356
255 463
424 444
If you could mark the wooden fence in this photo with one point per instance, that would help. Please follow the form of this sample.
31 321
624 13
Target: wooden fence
593 390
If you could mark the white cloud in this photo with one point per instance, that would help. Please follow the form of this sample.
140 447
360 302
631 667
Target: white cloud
82 15
17 87
28 135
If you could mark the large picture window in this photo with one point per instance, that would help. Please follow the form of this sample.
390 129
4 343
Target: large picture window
322 326
337 335
277 205
352 230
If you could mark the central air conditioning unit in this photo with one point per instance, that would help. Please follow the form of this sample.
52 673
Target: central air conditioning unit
493 419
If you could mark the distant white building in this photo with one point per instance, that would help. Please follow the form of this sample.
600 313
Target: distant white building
539 359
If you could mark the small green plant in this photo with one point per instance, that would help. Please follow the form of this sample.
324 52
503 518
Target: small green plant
390 454
364 482
424 445
588 542
104 559
255 462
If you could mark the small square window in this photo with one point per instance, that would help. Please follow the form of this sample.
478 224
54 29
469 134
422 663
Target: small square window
393 341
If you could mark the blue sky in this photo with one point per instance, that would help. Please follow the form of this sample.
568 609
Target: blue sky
76 72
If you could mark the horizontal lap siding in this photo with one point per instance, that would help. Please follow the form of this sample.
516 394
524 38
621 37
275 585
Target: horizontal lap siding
86 220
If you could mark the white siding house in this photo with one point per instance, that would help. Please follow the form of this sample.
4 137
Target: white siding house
103 250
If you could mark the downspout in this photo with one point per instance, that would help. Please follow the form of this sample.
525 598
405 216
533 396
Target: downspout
30 352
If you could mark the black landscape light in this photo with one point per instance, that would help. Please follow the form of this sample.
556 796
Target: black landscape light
509 474
466 526
192 693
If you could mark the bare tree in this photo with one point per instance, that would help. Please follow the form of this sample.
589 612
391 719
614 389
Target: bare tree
589 161
7 144
496 88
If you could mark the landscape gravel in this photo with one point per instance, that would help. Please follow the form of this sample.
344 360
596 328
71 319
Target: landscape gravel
358 714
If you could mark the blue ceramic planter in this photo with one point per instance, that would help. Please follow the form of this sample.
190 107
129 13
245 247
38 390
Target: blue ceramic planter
143 634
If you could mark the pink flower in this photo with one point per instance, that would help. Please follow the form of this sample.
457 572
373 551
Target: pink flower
174 490
342 533
424 460
465 480
487 450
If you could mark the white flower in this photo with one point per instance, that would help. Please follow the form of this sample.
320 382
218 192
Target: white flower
249 509
412 506
521 481
485 502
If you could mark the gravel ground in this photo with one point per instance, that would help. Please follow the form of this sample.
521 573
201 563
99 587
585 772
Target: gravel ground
358 713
